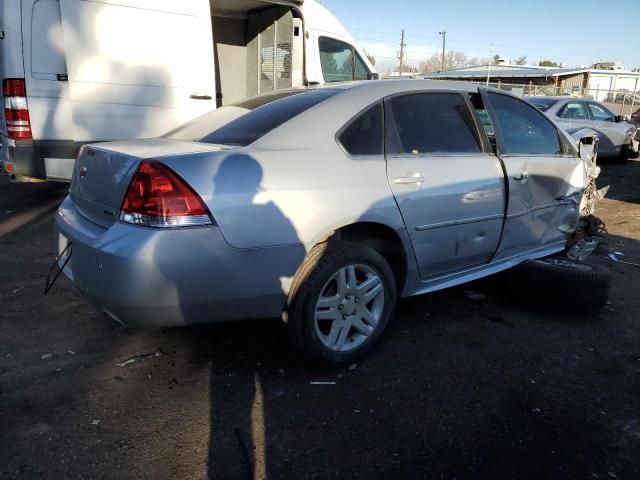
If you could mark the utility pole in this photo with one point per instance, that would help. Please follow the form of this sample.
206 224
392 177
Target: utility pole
444 41
489 66
402 45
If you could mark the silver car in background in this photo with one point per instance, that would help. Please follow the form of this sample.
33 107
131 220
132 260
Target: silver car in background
616 134
322 205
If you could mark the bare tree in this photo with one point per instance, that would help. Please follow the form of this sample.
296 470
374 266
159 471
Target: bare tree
521 60
452 60
371 58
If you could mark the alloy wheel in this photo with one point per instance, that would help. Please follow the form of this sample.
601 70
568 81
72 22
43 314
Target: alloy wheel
349 307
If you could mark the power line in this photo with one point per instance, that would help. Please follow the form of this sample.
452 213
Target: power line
467 42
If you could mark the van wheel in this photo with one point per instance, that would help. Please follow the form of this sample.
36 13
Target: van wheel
340 302
563 283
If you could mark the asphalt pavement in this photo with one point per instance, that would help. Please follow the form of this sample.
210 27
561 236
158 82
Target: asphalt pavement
469 383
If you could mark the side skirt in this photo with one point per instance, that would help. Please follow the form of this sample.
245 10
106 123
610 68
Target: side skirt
452 279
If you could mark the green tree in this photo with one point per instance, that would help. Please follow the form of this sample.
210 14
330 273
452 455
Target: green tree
548 63
495 60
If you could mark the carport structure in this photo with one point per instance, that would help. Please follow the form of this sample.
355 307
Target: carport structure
566 80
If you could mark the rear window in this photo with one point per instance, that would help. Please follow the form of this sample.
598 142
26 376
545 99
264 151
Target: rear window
364 135
265 113
542 104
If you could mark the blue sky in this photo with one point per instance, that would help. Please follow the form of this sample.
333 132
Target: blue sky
576 32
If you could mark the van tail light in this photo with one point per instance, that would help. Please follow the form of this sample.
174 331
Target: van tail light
158 197
16 111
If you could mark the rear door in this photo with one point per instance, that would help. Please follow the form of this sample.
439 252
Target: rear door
574 115
47 89
449 188
137 68
545 179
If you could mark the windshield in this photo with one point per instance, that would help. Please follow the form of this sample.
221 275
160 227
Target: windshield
243 123
542 104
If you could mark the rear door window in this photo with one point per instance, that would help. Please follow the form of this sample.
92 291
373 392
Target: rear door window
340 62
364 135
525 130
430 123
574 111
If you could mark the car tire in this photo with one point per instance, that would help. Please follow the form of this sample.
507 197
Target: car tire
625 154
561 283
332 315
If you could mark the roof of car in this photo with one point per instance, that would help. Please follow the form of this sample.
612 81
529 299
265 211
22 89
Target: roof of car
557 98
387 87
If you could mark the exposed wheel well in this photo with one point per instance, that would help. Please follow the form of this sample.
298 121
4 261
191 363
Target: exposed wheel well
384 240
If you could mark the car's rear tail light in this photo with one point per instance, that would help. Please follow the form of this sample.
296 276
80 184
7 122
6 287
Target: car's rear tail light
16 111
158 197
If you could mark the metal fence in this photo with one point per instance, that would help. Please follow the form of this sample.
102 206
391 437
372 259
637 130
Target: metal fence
621 102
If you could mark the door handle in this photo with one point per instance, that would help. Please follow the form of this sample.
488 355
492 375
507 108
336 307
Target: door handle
408 180
522 177
199 96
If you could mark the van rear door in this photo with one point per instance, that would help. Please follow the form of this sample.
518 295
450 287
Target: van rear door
137 68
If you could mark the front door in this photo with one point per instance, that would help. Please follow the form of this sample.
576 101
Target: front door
449 188
611 134
545 179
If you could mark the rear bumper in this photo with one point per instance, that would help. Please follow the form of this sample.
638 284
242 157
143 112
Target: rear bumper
147 277
52 159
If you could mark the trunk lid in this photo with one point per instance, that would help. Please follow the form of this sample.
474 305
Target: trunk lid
102 173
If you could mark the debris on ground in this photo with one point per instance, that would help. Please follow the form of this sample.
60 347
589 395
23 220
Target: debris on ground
474 295
137 358
319 382
590 233
353 366
614 257
46 356
95 422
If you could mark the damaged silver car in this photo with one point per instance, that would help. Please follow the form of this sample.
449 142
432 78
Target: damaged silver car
321 205
616 133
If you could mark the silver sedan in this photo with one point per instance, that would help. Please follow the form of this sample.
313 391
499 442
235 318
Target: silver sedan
320 205
615 133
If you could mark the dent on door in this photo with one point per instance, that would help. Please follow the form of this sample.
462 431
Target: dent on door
544 203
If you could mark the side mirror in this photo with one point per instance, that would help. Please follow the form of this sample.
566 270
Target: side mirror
621 118
373 76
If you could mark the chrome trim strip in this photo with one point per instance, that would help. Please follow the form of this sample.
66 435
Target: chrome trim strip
541 207
463 221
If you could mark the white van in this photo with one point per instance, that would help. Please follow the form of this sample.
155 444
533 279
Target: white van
80 71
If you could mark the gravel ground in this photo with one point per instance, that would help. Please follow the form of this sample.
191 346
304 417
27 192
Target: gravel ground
463 386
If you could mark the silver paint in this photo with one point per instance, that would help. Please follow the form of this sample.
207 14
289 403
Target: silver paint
273 200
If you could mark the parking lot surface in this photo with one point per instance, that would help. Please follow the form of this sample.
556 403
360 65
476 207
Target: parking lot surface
470 382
